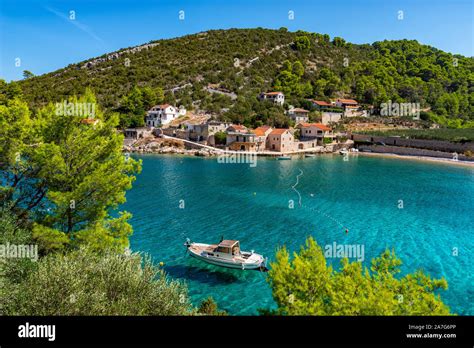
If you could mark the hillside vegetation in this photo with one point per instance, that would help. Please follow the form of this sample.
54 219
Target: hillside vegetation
248 61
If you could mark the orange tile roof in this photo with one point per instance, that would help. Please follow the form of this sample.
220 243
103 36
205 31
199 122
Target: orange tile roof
317 125
321 102
273 93
278 131
238 126
322 126
260 131
348 101
299 110
161 106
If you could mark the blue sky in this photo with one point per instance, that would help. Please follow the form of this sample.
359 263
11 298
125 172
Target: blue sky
44 38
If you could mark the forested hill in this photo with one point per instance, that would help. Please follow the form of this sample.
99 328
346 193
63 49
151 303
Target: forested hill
248 61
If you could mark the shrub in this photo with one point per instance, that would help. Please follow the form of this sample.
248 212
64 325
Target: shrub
83 282
220 138
12 270
209 307
307 285
327 140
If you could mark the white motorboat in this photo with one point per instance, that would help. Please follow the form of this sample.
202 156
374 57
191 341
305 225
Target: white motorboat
343 151
310 155
283 158
227 254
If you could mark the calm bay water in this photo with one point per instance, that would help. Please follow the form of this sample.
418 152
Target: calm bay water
251 205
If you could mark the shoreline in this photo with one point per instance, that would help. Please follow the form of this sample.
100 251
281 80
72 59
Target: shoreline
201 150
193 153
419 158
172 145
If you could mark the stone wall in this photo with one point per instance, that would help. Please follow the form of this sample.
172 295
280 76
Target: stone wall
327 117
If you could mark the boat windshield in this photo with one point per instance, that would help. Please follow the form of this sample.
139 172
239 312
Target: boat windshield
222 249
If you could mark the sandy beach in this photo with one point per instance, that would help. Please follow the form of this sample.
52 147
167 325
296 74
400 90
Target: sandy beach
418 158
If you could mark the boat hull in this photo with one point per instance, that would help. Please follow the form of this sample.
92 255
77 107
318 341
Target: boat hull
245 261
227 264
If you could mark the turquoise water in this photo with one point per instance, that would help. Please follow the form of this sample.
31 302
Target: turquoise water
251 205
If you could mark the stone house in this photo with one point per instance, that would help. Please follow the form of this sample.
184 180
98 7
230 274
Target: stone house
238 141
262 134
137 133
316 131
347 104
281 140
204 131
298 115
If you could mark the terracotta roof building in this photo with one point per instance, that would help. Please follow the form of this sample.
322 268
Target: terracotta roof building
275 97
280 140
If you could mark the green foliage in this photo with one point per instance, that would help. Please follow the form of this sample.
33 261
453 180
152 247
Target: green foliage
9 91
13 270
65 175
60 179
289 80
136 103
400 71
302 43
49 239
84 282
297 134
307 285
338 42
27 74
322 39
327 84
220 138
298 68
209 307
